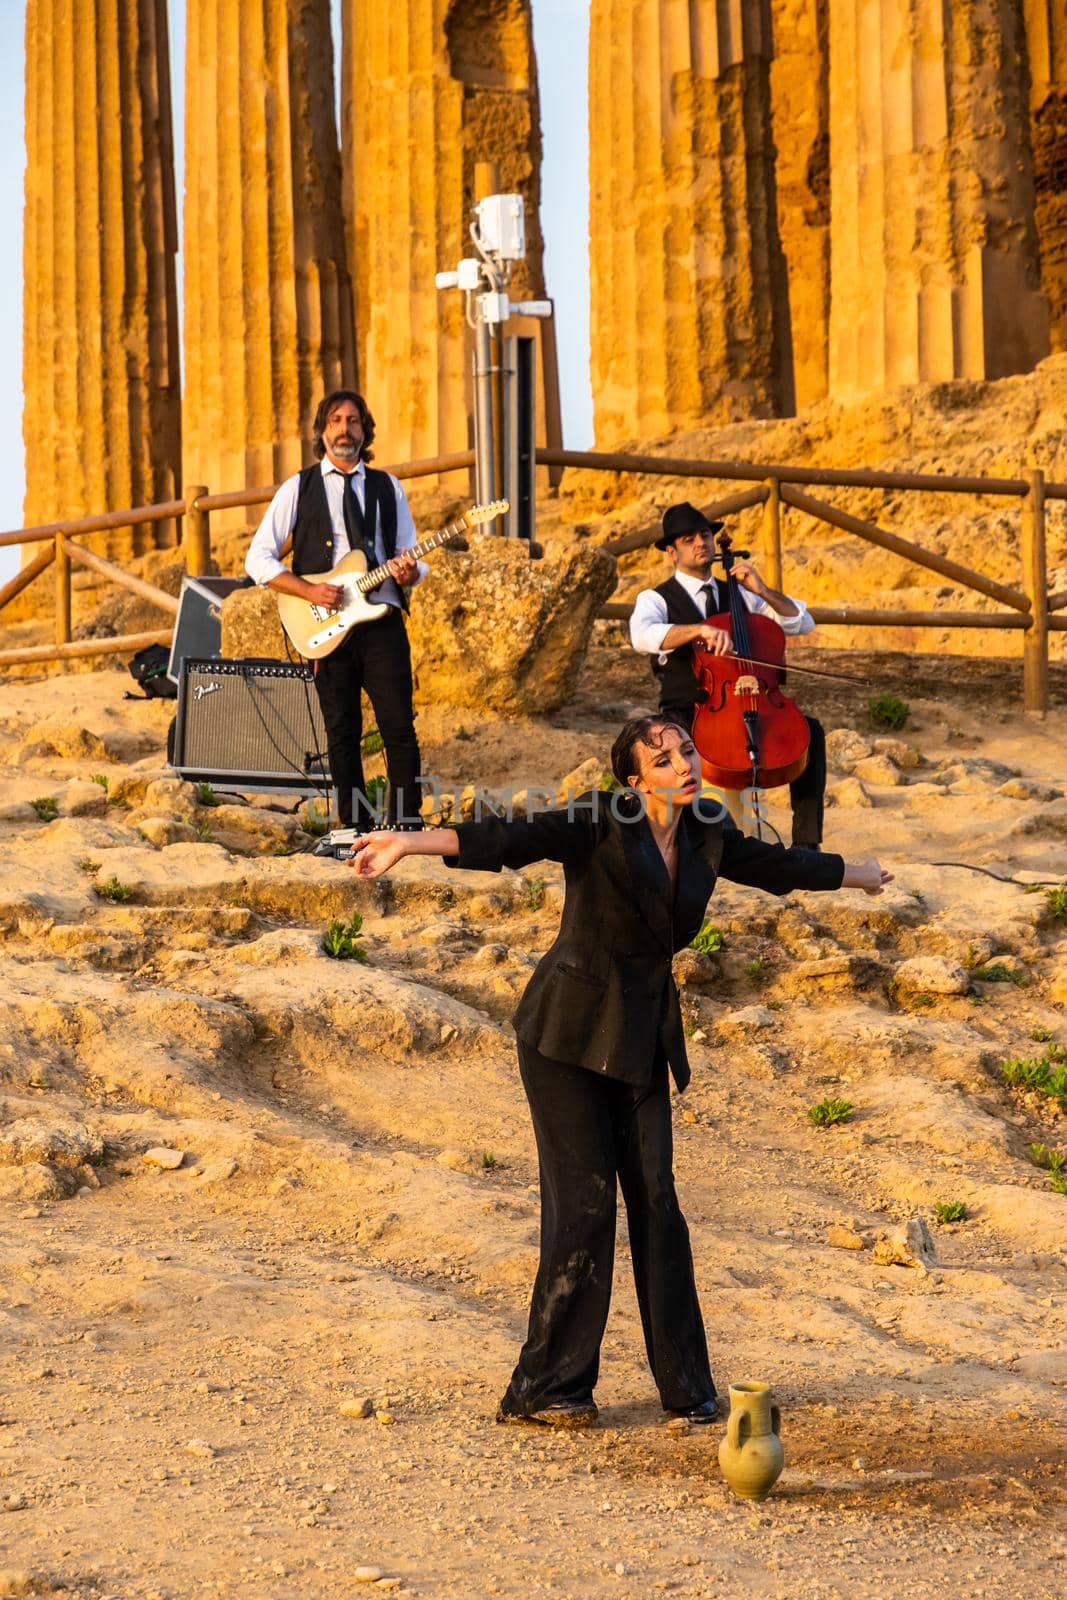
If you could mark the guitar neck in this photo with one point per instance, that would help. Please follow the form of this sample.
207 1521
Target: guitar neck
433 541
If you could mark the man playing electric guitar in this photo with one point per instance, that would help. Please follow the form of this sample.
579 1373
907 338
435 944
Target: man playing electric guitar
667 620
328 509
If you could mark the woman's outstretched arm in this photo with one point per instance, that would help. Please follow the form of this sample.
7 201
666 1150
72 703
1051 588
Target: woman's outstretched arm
374 853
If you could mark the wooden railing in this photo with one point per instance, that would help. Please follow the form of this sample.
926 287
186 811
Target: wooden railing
1030 608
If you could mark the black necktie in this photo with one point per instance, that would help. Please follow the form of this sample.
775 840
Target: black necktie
708 591
351 512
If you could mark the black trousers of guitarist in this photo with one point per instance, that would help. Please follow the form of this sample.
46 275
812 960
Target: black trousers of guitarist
806 793
376 657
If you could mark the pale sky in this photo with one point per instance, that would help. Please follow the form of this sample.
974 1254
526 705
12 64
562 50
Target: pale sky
560 34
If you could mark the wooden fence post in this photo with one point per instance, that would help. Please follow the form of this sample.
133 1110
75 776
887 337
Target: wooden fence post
772 534
62 593
196 534
1035 587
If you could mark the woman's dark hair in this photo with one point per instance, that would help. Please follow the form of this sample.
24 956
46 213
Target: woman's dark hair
639 730
330 403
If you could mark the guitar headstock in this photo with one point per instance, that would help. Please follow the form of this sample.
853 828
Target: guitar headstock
487 513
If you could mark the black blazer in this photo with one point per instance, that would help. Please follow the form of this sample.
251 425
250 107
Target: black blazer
604 997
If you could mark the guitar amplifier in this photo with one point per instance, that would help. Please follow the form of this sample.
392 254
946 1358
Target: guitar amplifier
198 625
250 724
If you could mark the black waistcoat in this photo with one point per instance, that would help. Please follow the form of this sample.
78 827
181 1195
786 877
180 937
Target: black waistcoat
313 530
677 683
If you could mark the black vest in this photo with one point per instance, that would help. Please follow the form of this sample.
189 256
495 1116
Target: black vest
313 531
677 684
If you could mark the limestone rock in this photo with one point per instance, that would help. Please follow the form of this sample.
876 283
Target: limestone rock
840 971
932 975
849 792
82 799
164 1157
843 1238
1048 1366
170 796
878 769
746 1020
65 1144
695 970
162 831
584 777
844 747
36 1181
251 627
503 632
909 1246
901 754
1028 789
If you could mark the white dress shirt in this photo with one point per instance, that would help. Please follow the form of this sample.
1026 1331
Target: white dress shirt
649 624
263 561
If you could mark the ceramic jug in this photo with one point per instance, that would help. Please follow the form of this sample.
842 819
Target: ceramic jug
751 1453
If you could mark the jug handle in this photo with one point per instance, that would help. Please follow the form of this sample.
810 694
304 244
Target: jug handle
776 1419
738 1428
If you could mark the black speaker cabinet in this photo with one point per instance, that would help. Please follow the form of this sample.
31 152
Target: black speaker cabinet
198 627
250 725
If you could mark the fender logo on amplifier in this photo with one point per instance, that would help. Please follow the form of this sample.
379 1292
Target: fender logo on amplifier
202 689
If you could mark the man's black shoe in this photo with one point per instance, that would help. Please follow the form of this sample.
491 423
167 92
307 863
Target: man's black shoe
557 1414
706 1411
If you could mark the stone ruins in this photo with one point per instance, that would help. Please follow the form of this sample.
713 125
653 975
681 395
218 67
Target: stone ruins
789 200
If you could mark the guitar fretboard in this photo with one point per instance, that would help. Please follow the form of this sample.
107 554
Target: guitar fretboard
433 541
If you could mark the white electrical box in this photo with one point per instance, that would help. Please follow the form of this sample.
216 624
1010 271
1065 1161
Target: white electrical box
494 307
469 275
502 226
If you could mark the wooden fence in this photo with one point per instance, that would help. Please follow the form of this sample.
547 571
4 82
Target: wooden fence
777 488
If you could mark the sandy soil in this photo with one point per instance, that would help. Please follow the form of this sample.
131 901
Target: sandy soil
353 1224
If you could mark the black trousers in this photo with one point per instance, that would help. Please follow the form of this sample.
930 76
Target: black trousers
806 793
591 1132
375 657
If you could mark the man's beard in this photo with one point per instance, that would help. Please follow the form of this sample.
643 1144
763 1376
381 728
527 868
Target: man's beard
345 448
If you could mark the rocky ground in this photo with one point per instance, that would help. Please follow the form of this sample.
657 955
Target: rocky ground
268 1220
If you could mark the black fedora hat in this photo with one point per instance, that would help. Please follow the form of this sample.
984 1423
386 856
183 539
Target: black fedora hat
684 519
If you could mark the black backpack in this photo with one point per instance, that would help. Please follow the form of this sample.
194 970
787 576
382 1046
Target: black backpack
149 671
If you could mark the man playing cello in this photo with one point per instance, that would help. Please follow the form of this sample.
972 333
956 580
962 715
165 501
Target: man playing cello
668 619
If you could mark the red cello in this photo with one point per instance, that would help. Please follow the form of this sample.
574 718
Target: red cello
747 732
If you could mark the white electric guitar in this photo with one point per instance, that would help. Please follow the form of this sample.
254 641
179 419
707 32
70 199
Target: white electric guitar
315 631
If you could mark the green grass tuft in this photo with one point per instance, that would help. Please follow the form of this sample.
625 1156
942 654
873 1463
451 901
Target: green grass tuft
709 940
100 778
1045 1074
533 895
341 940
951 1211
826 1112
206 796
1056 903
113 890
46 808
888 711
489 1161
997 972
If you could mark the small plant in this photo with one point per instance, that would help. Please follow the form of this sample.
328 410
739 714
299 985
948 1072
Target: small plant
101 779
1044 1074
205 795
829 1110
888 711
113 890
375 792
371 743
690 1026
461 733
1056 903
607 783
205 833
37 1080
314 822
1041 1035
489 1161
1058 1184
46 808
533 897
341 940
997 972
1048 1160
87 864
951 1211
708 940
754 971
120 801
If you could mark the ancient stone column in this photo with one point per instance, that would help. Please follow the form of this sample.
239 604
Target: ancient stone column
933 254
268 303
1046 39
429 88
800 102
101 417
689 306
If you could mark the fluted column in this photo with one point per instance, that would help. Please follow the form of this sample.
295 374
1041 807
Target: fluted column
101 418
1046 39
689 314
800 101
934 263
268 302
429 88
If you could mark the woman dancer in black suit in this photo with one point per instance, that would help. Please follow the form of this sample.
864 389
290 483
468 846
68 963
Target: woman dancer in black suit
598 1028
